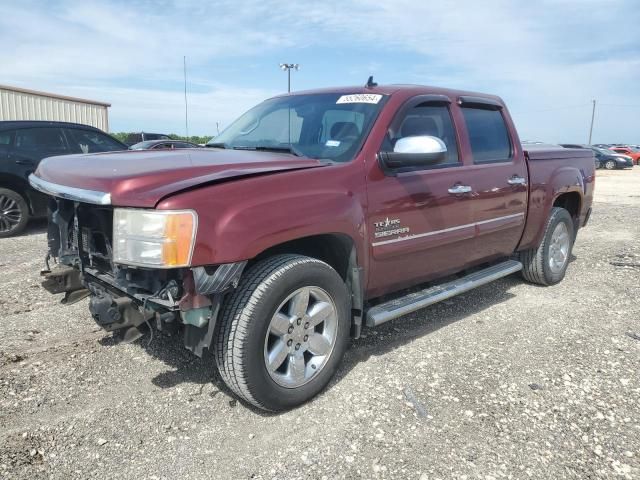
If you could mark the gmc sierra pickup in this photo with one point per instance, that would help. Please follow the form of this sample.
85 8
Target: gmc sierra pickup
313 214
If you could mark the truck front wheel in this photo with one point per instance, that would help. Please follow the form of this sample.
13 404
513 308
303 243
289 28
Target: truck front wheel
547 264
283 331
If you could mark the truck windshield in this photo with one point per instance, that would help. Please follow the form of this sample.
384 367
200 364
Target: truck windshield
324 126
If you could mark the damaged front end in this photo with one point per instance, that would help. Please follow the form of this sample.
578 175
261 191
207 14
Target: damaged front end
122 296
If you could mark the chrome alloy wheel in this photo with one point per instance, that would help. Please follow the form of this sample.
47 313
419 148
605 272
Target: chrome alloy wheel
301 337
10 214
559 248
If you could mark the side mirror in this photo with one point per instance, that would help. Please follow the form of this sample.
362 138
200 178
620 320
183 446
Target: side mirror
418 151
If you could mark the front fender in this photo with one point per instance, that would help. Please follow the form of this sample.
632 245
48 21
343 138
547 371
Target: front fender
238 220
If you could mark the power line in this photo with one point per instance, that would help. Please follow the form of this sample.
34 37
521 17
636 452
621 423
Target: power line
566 107
619 106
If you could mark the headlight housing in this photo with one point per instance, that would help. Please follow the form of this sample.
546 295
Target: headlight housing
154 238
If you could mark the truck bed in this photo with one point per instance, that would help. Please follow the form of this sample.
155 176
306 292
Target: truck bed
553 170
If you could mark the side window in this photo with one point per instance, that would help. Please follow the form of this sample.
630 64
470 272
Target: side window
89 141
488 135
432 120
40 140
5 141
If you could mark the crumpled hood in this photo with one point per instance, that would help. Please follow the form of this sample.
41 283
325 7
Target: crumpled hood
142 178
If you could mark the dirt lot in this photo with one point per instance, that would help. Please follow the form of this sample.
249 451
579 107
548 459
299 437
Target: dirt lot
508 381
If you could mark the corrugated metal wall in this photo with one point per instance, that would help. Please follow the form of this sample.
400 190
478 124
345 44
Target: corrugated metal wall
24 105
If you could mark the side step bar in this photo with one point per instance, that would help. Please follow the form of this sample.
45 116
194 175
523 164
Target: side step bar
415 301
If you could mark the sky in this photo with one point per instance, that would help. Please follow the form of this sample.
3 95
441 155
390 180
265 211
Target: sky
547 59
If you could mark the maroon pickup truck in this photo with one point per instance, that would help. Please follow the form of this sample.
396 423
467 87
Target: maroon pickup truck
311 216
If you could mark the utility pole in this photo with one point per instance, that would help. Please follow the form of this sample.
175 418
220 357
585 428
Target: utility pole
593 115
186 110
288 67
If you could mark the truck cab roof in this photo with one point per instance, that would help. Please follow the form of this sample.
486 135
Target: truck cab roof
393 89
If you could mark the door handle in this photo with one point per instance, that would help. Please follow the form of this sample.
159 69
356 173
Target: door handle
458 189
29 163
517 180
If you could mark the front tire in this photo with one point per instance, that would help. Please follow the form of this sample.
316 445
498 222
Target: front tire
14 213
283 331
547 264
610 165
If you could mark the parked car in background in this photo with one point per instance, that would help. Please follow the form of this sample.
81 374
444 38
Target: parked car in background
163 145
604 158
629 151
22 145
610 160
134 138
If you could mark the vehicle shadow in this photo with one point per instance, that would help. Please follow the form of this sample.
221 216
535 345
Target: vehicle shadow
399 332
35 226
186 368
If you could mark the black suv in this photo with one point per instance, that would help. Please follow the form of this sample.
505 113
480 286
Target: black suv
22 145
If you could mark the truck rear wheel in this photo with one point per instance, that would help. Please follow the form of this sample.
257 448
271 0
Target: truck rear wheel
547 264
14 213
283 331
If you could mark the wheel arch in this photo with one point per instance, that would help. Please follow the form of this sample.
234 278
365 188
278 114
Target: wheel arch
571 202
15 183
339 251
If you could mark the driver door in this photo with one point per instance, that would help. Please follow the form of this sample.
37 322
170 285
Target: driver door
419 227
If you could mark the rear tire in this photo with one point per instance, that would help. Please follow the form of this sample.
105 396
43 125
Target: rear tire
283 331
14 213
547 264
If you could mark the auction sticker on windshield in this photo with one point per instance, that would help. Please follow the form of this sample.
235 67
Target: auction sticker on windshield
360 98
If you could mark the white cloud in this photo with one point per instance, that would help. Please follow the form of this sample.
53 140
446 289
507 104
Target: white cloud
542 57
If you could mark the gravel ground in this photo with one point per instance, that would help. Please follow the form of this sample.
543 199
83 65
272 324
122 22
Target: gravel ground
508 381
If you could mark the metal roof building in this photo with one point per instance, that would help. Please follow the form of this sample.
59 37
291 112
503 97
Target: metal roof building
22 104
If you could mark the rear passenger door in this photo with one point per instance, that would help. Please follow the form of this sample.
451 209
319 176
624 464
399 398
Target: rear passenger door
32 145
497 175
6 140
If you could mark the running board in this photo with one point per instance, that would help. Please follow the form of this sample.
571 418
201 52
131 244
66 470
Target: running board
415 301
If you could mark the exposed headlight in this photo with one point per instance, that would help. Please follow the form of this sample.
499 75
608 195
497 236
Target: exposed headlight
154 238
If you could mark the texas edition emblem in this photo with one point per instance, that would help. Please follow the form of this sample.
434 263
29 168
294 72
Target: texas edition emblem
389 227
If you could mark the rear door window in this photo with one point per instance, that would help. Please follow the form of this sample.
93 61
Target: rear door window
5 142
488 135
90 141
36 141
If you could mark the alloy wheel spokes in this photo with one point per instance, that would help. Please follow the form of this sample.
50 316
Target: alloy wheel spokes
10 214
559 248
300 303
301 336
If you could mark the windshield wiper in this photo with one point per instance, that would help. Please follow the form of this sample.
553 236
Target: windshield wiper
216 145
287 149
